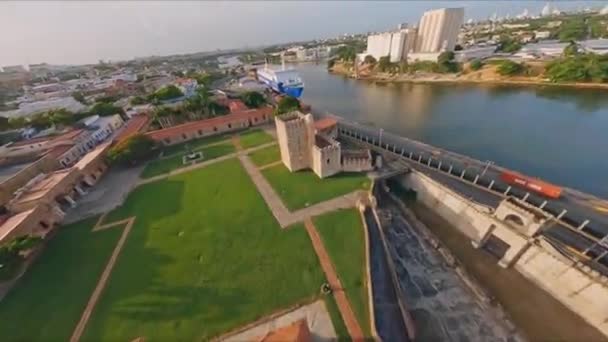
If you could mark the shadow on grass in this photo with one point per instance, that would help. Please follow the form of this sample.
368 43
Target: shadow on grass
135 205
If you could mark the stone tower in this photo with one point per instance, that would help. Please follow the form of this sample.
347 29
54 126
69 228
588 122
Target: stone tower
295 135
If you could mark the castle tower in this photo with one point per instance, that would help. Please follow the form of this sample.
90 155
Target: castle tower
295 135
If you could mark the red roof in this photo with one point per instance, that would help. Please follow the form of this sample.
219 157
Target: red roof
236 106
133 126
325 123
194 126
59 150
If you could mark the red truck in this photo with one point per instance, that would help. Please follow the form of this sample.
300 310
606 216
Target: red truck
532 184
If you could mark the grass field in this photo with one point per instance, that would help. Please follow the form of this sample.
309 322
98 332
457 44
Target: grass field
342 234
254 138
304 188
265 156
166 165
205 256
48 302
196 144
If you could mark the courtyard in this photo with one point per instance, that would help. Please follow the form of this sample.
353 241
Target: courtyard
303 188
204 256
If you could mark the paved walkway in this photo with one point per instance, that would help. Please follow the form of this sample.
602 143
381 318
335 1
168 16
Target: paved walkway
346 311
280 211
198 148
84 319
315 314
236 141
204 163
270 165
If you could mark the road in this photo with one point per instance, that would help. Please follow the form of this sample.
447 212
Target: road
578 223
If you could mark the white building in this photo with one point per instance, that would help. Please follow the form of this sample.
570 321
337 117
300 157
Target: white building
438 30
395 44
474 53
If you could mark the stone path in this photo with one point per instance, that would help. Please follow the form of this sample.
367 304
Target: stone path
280 211
84 319
204 163
346 311
270 165
236 141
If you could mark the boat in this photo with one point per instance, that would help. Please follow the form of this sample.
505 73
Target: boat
283 81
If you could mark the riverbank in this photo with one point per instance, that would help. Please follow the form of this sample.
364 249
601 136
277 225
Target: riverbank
484 76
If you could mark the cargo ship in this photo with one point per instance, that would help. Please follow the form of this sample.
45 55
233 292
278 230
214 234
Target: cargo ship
284 81
533 184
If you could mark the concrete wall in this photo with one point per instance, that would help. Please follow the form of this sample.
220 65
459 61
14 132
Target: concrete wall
584 291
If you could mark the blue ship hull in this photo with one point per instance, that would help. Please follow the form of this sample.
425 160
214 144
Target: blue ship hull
286 90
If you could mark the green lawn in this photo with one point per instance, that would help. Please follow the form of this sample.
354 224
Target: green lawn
254 138
50 298
303 188
343 236
266 155
196 144
166 165
205 256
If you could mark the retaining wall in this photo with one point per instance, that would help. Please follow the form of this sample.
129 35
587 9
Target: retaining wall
584 291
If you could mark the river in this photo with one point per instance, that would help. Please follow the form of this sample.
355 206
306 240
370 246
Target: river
555 133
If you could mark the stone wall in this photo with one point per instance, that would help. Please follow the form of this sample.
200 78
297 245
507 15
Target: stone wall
45 164
326 160
295 136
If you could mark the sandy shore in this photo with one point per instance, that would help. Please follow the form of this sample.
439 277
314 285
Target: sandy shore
466 79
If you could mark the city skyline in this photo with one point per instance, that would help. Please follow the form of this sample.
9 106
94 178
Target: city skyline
81 33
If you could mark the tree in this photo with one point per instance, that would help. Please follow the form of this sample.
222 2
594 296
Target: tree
384 63
79 96
571 49
4 123
17 122
508 44
61 116
105 109
137 100
330 63
287 104
476 64
167 93
369 59
509 68
253 99
132 150
446 62
40 121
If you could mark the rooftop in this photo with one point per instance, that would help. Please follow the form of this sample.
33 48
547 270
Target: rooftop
295 332
133 126
92 156
40 189
321 141
13 222
209 123
325 123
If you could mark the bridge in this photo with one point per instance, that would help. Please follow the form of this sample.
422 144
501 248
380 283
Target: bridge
578 228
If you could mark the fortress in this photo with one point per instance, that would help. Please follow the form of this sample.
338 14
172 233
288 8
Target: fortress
306 144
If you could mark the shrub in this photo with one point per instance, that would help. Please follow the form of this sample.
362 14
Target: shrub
509 68
476 64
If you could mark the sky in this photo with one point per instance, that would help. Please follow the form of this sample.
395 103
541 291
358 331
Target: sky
78 32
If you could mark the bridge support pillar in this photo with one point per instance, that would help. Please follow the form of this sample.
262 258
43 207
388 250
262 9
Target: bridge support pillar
462 174
542 205
411 155
526 196
476 179
450 169
491 185
507 191
439 166
562 214
429 163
